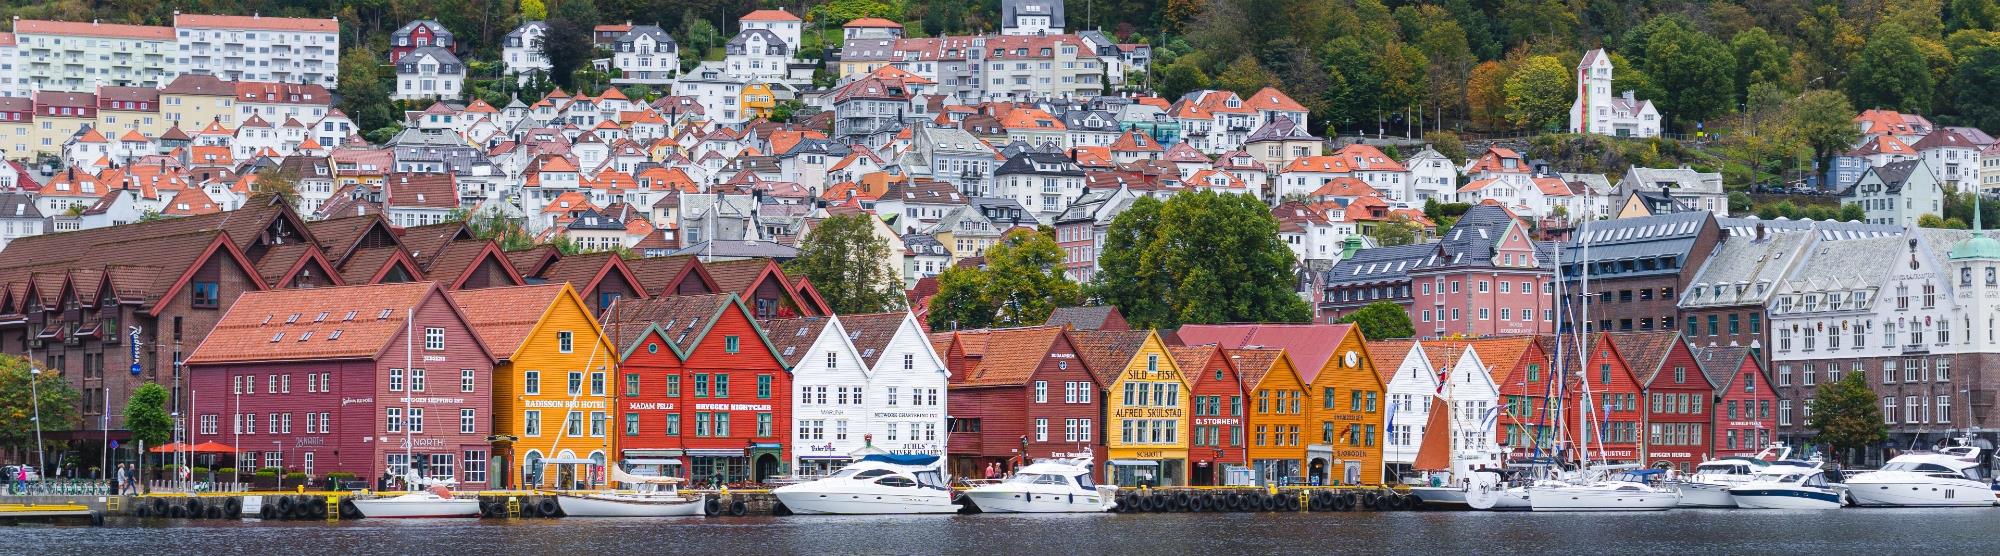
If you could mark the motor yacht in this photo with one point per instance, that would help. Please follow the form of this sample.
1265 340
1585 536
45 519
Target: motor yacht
1708 486
1787 488
878 484
1951 477
1626 492
650 497
1046 486
434 500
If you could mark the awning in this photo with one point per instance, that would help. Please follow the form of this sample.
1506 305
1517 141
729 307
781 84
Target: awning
828 458
650 461
716 453
652 453
569 461
1144 462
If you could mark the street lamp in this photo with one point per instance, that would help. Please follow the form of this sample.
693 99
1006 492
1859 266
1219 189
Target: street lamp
35 399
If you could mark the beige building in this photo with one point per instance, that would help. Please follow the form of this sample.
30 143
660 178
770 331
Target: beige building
192 101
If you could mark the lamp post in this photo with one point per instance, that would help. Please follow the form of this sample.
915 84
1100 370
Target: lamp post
35 399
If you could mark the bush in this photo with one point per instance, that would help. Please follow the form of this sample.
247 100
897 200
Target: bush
200 471
226 471
267 472
295 476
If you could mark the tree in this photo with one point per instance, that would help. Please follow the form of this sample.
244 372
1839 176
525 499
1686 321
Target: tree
18 402
567 42
1759 59
363 97
1891 72
1181 77
146 415
1823 121
1846 415
849 264
534 10
1397 230
276 180
1539 93
1486 95
1022 283
1245 77
1205 257
1381 320
1694 73
1974 84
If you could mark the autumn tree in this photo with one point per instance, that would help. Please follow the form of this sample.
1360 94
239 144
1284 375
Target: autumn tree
1245 77
1539 93
1023 281
19 402
849 264
1397 230
1486 94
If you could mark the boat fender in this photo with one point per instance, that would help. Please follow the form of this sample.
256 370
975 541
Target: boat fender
738 509
196 509
712 507
1343 502
1291 503
1198 504
1154 502
301 508
1240 502
284 505
232 508
96 519
139 510
267 512
547 507
177 511
315 511
779 509
1267 502
215 512
348 510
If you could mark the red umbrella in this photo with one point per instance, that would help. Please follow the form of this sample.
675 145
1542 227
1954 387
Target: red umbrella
167 448
213 448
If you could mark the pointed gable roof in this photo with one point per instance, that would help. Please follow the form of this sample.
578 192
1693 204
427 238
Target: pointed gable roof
1006 357
507 317
1311 346
258 327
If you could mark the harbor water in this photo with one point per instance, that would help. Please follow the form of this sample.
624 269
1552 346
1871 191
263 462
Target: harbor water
1678 532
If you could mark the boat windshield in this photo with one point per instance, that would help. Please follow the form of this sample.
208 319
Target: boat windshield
1722 469
932 479
1085 483
1817 480
1025 478
860 474
1917 467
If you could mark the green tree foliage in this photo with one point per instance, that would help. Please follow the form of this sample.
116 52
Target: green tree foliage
146 415
838 12
534 10
1201 258
1397 230
494 225
1245 77
1976 86
1692 71
1180 77
1023 281
1822 120
567 42
1381 320
1539 93
17 404
849 264
1759 59
364 94
1846 415
1891 72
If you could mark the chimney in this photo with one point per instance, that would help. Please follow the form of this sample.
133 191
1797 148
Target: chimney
1760 231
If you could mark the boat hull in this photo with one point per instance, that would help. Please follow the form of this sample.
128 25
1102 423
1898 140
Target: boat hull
1498 499
1786 498
1705 495
999 501
437 508
835 503
630 506
1592 500
1915 494
1440 496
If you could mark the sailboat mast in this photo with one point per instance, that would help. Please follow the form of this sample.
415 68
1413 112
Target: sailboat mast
1588 431
409 370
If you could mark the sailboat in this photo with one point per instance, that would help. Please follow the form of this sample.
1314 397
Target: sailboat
651 497
433 497
1434 456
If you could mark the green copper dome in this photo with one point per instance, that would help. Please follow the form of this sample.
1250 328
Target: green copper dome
1979 246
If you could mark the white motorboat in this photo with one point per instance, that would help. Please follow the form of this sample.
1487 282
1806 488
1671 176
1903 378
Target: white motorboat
878 484
434 501
1046 486
1787 489
653 497
1951 477
1628 492
1709 486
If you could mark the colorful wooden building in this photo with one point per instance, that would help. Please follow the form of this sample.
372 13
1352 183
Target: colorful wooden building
555 387
369 380
1678 396
1018 394
1612 401
724 394
1743 419
1145 417
1346 398
1520 370
1276 405
1216 452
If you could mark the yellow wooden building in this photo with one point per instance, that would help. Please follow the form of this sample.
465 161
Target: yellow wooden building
1276 418
757 101
1344 397
1145 406
553 389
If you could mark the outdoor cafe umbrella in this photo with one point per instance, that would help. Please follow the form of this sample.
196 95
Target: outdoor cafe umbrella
202 448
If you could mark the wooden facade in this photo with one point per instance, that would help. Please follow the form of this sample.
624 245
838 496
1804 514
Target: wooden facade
554 388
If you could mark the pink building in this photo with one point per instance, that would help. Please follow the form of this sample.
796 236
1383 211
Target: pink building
1484 277
320 380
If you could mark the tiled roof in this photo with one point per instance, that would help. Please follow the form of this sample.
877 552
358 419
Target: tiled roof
1007 357
679 317
93 29
769 15
1310 346
1720 363
1191 358
1646 352
311 324
792 337
1501 354
654 273
503 317
1389 355
1254 364
1107 352
327 25
871 333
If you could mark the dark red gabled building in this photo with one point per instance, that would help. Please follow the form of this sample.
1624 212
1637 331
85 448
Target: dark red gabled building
1615 413
1015 393
1522 372
713 392
1677 420
1743 419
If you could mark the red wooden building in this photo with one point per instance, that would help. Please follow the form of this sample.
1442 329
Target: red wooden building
1677 396
353 379
1520 366
1616 418
712 392
1018 394
1217 423
1743 420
